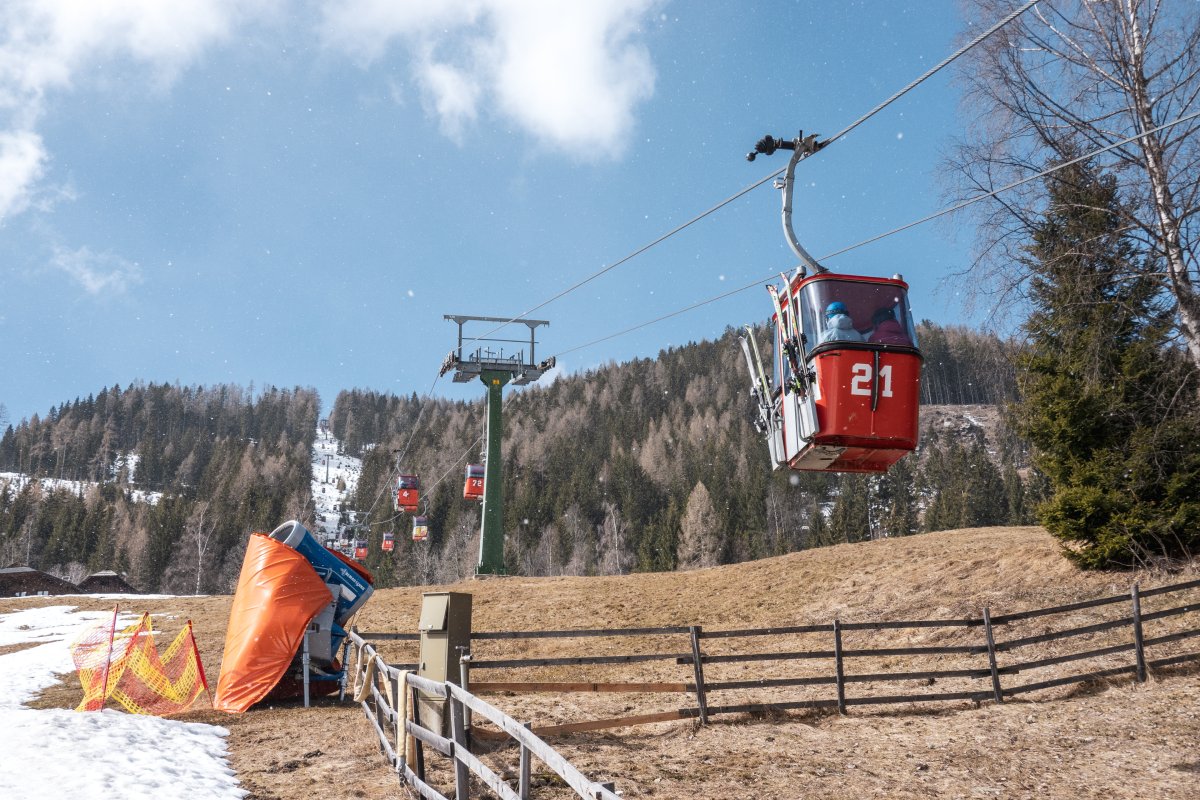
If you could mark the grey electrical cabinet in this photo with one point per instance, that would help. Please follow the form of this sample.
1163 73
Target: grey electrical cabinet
445 631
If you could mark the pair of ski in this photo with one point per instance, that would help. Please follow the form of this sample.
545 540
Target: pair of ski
790 336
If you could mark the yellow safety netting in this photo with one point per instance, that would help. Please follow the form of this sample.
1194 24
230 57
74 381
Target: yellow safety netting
125 665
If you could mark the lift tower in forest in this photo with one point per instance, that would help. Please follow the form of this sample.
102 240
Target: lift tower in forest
495 369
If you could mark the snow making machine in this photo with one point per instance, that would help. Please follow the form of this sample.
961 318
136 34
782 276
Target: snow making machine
293 602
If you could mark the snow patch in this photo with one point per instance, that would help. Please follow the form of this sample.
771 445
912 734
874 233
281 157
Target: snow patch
17 481
93 754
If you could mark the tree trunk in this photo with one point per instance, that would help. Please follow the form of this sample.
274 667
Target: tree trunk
1165 208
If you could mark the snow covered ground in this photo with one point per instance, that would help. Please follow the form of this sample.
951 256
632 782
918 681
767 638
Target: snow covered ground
18 481
328 469
55 753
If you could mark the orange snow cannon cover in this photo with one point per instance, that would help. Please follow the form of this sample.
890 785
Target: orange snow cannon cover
278 594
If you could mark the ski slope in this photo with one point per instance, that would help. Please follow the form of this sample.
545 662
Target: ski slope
331 470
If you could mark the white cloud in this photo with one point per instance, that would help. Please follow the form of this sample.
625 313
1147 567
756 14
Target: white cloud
570 73
573 77
22 156
96 273
454 95
46 44
365 28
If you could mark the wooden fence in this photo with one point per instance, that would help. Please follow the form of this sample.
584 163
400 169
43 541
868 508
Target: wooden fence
389 695
986 667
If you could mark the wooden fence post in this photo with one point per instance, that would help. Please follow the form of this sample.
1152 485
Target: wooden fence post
418 745
523 780
991 646
1138 647
394 699
462 774
837 663
698 671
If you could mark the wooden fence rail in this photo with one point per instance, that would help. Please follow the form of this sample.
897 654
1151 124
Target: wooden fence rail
388 695
999 658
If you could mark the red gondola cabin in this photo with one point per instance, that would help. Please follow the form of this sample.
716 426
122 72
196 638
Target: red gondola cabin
408 493
389 541
853 406
473 488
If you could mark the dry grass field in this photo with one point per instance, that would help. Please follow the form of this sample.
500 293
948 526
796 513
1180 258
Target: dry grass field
1115 739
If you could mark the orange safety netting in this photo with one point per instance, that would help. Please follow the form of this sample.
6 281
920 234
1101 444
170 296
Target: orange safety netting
126 666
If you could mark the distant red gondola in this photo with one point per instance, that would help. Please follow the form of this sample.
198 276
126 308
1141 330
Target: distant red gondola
408 493
389 541
473 489
420 529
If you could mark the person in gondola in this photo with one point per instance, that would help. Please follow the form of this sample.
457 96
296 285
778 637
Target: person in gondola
887 329
839 326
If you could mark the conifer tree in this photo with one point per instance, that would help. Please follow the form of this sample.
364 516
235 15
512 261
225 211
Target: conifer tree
850 520
1105 392
896 495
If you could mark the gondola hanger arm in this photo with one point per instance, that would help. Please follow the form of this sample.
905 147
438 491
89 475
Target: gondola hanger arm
802 147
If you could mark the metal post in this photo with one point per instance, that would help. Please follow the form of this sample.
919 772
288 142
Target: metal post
991 646
345 669
491 540
464 676
837 663
523 780
1139 648
305 661
698 671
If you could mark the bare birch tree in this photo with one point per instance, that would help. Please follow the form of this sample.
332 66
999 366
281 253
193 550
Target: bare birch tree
613 556
1073 76
199 531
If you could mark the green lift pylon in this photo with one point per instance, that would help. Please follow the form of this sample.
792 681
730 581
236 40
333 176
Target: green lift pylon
495 370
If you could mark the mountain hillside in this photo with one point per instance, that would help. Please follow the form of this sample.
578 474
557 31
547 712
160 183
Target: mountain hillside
655 464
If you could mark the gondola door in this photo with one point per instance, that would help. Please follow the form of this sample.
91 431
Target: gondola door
795 396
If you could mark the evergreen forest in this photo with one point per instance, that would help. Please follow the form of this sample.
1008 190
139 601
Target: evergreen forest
219 463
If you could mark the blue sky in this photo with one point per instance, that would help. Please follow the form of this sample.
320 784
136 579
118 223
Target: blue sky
294 193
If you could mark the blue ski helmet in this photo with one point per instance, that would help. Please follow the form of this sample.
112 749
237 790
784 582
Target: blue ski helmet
835 308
